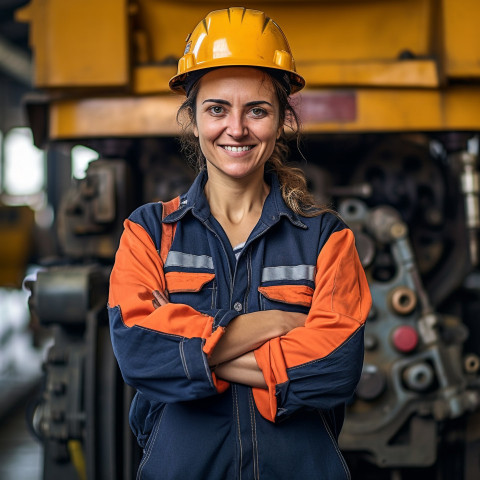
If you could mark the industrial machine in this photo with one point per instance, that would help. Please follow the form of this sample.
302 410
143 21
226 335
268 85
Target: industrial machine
391 121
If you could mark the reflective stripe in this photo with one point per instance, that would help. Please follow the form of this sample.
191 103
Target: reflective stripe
179 259
296 272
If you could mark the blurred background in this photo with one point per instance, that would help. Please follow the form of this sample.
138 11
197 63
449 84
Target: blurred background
26 239
391 121
23 204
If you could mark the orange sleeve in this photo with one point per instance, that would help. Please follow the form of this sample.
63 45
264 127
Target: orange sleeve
138 270
340 305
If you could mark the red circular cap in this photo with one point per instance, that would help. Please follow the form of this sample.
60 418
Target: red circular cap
405 338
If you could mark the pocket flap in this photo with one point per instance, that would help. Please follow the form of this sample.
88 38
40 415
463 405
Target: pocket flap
187 281
293 294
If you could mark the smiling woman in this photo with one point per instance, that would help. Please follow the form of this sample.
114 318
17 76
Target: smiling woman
237 309
237 122
294 188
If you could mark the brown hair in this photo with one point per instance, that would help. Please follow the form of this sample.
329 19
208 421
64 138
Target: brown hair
293 184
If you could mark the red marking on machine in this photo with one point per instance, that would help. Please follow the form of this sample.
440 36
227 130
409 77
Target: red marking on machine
326 107
405 338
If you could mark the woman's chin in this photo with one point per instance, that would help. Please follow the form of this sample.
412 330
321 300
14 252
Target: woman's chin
238 171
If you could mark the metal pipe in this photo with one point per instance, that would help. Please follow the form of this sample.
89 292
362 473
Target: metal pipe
470 184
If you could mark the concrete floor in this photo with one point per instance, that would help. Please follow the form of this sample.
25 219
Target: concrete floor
21 456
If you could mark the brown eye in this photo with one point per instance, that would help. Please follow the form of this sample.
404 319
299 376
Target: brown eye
216 109
258 112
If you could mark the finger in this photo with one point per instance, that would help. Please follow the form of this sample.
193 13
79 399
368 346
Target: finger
160 297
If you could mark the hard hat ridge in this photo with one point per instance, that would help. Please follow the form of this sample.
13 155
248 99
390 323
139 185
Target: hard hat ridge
236 36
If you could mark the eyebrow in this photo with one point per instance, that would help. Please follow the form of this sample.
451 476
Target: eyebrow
225 102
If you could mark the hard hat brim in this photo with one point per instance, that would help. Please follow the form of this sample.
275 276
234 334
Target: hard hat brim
182 83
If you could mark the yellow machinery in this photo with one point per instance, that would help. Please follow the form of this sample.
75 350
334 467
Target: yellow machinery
391 116
370 65
16 230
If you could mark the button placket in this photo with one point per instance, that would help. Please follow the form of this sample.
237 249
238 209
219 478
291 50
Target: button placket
238 307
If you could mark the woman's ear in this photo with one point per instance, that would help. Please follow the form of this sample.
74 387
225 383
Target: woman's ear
195 131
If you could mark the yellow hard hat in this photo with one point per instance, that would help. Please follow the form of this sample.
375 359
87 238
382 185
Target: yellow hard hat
236 37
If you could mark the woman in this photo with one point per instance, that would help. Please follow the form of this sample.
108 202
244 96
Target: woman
237 309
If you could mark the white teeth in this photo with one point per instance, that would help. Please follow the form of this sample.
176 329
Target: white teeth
237 149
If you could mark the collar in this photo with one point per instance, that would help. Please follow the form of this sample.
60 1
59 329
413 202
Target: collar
194 201
275 207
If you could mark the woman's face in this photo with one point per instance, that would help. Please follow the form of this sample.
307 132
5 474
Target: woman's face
237 121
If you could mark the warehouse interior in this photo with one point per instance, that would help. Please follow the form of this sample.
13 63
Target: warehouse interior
391 128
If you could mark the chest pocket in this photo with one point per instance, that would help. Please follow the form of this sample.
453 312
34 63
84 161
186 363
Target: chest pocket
194 289
288 288
190 280
291 298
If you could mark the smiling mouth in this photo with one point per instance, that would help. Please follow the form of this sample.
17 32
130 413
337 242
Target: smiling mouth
243 148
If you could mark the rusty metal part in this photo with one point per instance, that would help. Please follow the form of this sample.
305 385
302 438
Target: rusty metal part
471 363
403 300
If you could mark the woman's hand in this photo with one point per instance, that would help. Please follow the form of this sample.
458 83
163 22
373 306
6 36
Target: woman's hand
246 332
251 330
244 368
160 298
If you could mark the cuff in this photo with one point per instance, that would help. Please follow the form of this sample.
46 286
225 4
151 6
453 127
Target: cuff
270 360
223 317
220 385
195 363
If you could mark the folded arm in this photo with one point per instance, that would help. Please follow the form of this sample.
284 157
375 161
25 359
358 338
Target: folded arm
243 369
162 351
319 365
232 358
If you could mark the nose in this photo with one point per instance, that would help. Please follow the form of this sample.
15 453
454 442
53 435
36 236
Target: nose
237 127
